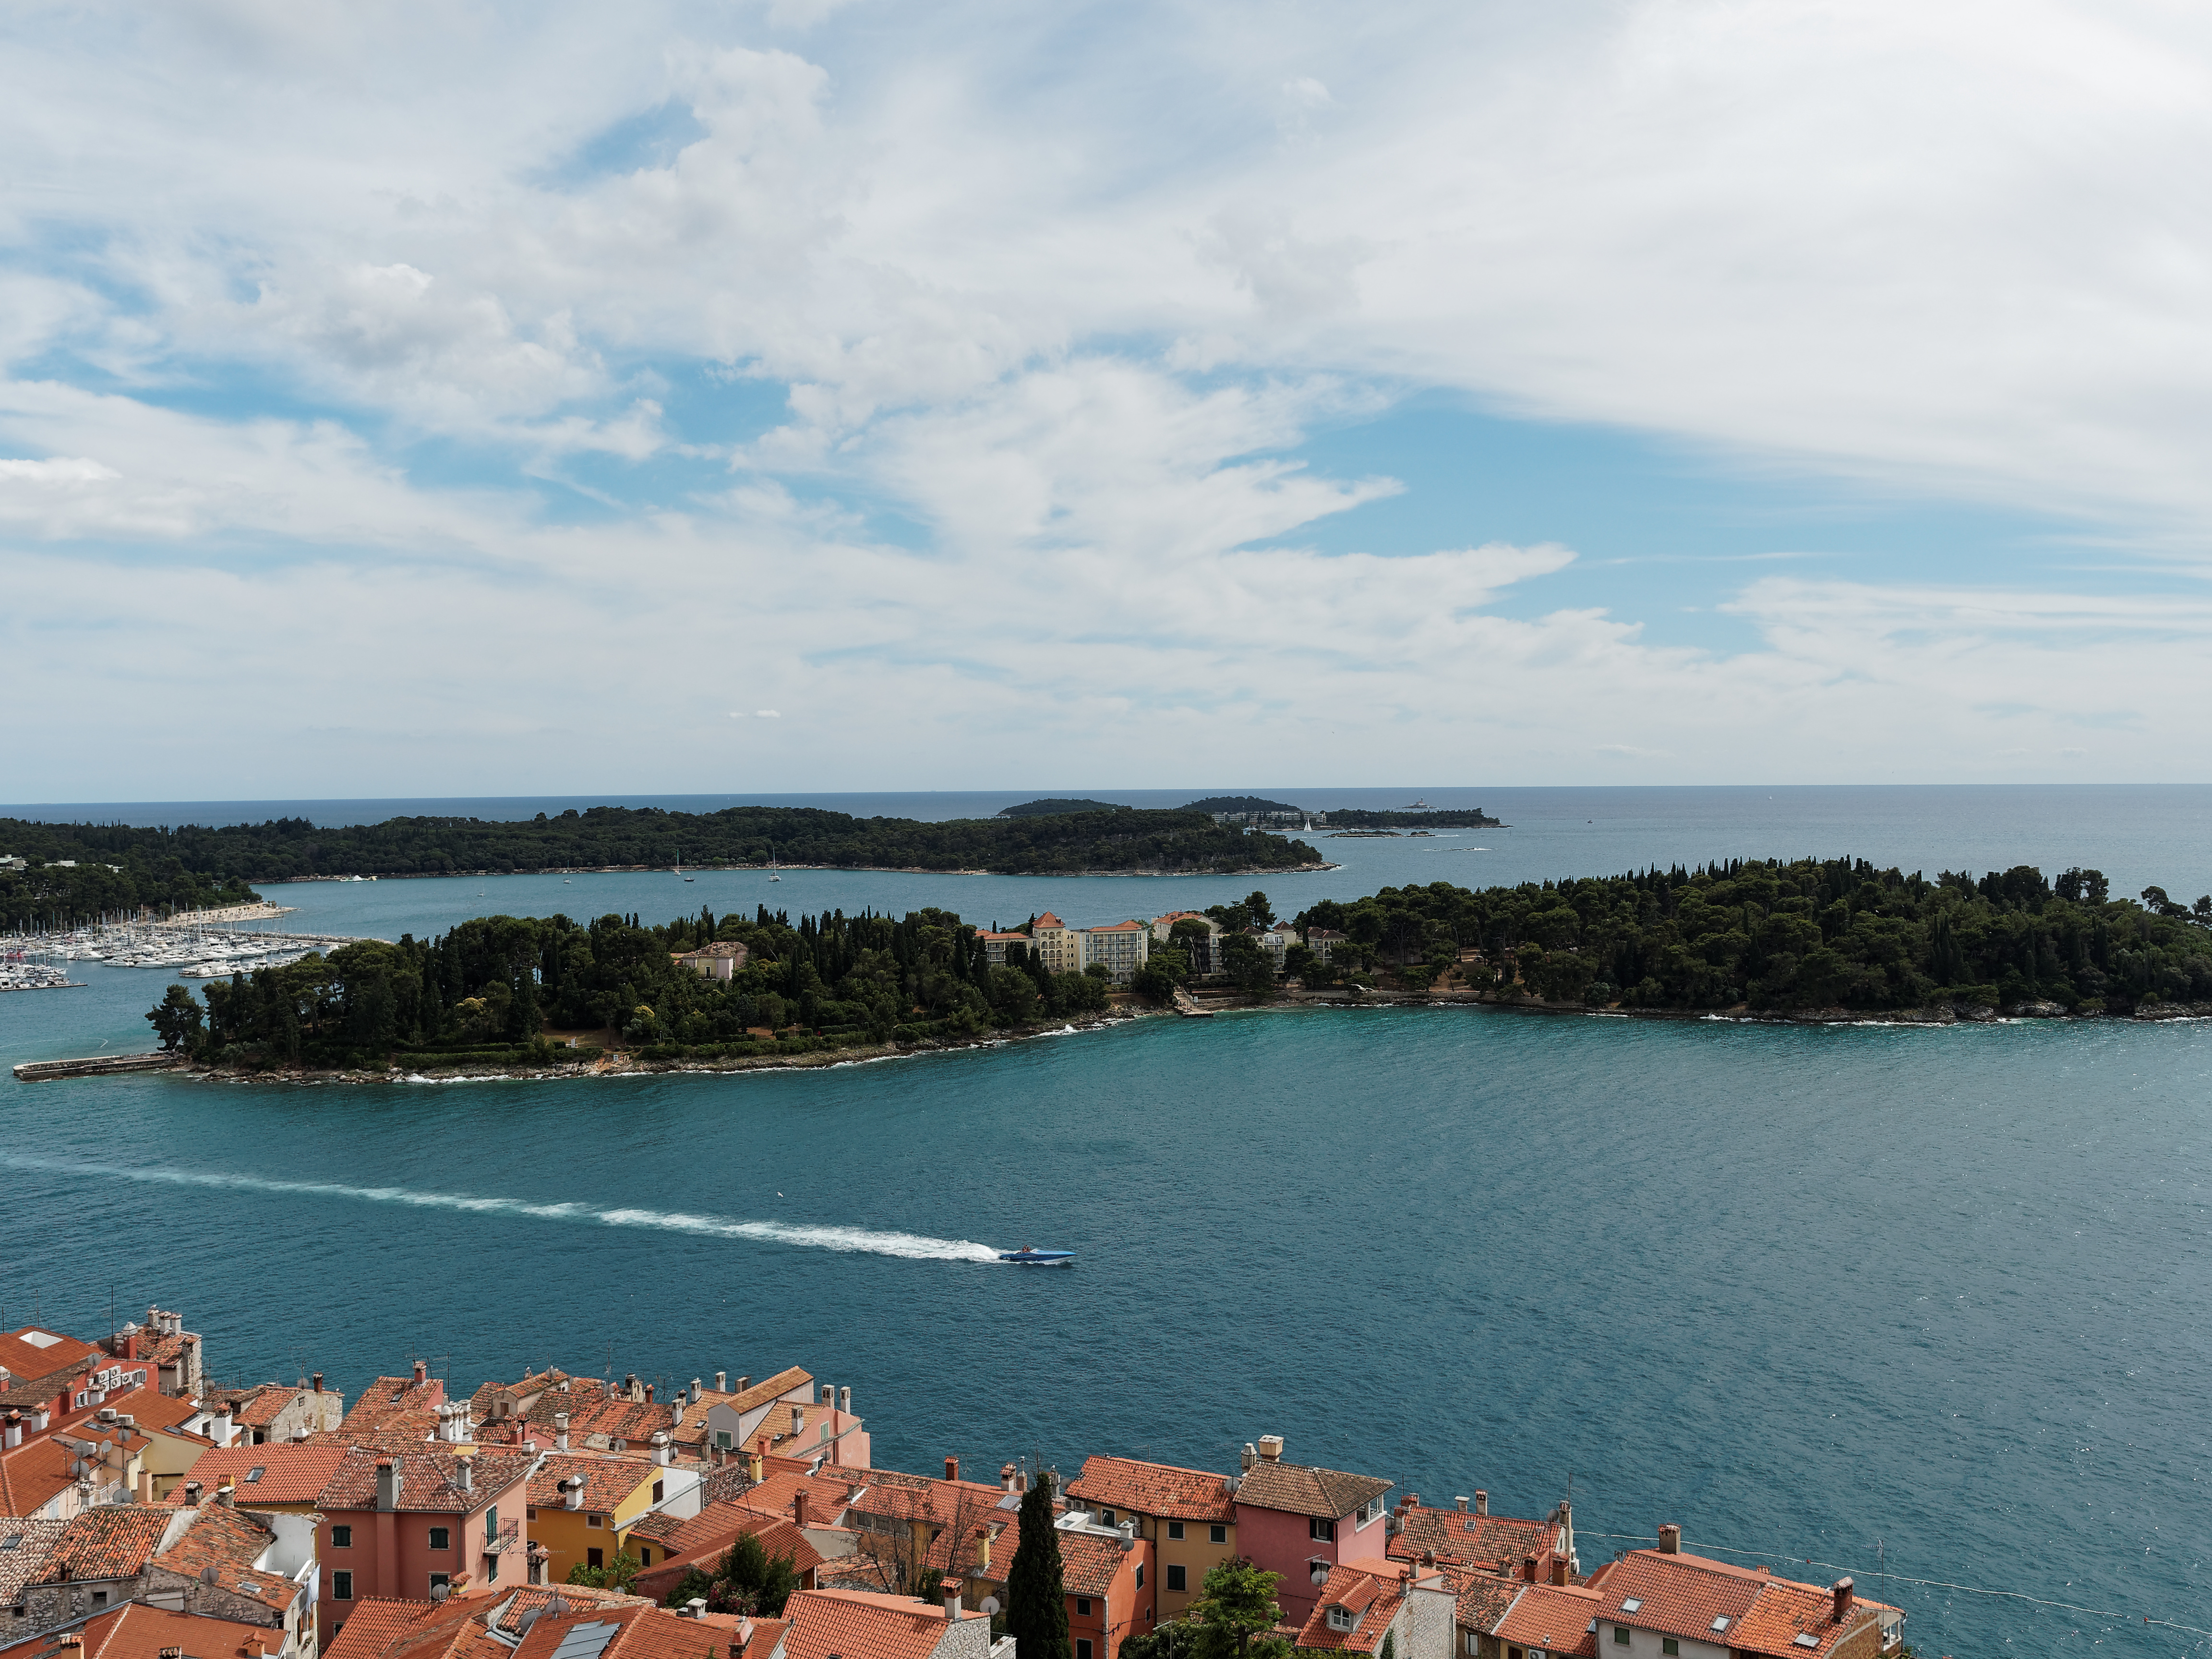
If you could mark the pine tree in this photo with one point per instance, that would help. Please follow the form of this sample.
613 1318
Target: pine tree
1037 1597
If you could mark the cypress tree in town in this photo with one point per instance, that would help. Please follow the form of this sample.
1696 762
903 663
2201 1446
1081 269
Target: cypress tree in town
1036 1598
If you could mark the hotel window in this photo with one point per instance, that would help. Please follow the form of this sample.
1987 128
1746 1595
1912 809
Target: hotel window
591 1520
1107 1517
491 1523
1083 1647
440 1539
645 1558
341 1538
660 1490
342 1586
1140 1575
1668 1644
722 1438
595 1557
440 1581
1177 1577
1474 1642
1324 1530
1175 1528
491 1567
1620 1635
1082 1607
1220 1535
530 1513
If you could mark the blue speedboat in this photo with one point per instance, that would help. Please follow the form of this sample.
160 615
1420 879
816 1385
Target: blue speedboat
1029 1256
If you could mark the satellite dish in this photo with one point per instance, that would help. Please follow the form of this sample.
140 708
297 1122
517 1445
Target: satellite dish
1320 1574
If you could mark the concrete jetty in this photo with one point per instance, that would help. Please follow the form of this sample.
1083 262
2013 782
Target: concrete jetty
46 1071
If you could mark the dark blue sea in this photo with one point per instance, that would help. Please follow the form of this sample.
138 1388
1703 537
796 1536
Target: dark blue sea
1928 1303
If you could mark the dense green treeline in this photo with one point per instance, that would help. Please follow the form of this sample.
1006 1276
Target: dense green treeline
1057 843
54 895
1808 933
491 987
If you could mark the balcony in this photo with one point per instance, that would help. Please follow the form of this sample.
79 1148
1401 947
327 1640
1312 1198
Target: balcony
508 1538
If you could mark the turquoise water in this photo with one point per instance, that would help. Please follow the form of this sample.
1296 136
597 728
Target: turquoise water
1798 1290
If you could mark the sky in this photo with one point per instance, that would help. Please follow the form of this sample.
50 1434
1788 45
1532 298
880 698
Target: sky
411 398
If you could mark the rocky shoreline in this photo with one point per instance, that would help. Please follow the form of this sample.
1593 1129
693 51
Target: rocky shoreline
1958 1013
763 869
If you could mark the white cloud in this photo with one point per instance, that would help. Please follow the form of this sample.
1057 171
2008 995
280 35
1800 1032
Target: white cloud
1063 302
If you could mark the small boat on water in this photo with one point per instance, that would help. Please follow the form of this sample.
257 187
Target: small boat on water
1029 1256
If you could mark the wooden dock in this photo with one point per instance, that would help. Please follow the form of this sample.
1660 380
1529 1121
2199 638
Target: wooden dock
46 1071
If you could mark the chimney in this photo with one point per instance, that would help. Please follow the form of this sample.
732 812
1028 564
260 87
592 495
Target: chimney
660 1447
1558 1570
983 1549
828 1395
38 1418
219 1431
721 1382
753 1467
227 1495
387 1483
467 1469
743 1382
951 1468
649 1394
1128 1531
422 1371
798 1418
1670 1540
572 1492
1842 1595
192 1494
14 1437
145 1486
1021 1480
319 1382
844 1401
698 1388
560 1430
1528 1568
1248 1457
1007 1476
1271 1449
1482 1503
798 1509
696 1607
130 1345
951 1601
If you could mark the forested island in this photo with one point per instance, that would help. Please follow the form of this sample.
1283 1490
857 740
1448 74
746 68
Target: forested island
511 991
1783 936
191 864
1816 936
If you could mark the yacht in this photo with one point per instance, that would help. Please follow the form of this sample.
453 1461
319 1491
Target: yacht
1029 1256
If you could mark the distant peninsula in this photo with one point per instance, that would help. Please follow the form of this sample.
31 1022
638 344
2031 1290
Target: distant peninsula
64 873
1051 807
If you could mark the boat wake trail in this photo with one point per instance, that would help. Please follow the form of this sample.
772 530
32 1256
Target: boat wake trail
912 1247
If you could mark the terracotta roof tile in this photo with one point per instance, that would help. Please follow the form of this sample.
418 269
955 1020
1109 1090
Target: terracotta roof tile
289 1474
150 1410
24 1547
860 1625
1296 1489
1467 1540
110 1540
230 1540
1554 1620
608 1480
375 1623
1483 1599
428 1480
34 1474
33 1350
1787 1610
1089 1563
138 1631
389 1397
1372 1589
1154 1489
1677 1596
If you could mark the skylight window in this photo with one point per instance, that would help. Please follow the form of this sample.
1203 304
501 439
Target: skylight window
1631 1604
1721 1623
1805 1639
260 1469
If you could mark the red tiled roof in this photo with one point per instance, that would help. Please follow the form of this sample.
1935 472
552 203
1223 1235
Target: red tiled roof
1295 1489
138 1631
34 1474
1483 1599
1678 1595
608 1480
1555 1619
150 1410
389 1397
289 1474
24 1358
860 1625
1468 1539
1154 1489
269 1400
1370 1588
24 1559
375 1623
1786 1610
230 1540
109 1540
430 1482
1090 1564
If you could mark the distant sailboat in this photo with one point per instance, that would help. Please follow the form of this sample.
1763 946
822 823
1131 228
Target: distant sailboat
772 875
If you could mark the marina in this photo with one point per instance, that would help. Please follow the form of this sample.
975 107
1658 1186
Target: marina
213 945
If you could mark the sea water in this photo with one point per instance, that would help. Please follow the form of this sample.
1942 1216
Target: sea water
1931 1303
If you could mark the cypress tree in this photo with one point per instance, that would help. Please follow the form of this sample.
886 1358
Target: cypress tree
1037 1597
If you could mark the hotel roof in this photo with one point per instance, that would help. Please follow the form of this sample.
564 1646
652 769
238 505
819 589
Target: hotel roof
1295 1489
